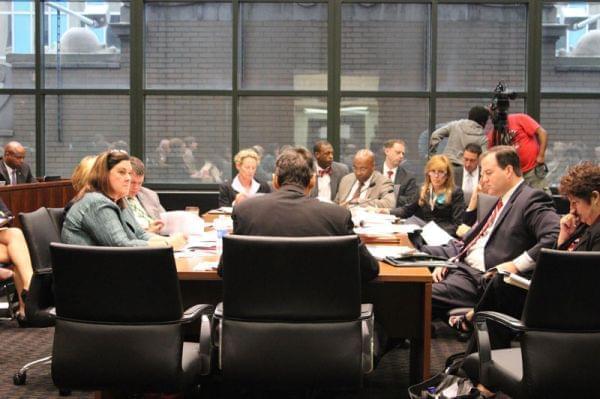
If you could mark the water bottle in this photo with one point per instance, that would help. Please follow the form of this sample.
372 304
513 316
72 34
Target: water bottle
220 225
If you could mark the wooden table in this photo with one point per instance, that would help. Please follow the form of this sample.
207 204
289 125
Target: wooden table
401 298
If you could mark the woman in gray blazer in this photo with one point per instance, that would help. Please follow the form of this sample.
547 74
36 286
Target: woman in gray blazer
99 215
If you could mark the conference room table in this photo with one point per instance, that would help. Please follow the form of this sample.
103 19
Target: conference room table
401 297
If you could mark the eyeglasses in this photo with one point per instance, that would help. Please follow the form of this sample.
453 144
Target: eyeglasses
440 173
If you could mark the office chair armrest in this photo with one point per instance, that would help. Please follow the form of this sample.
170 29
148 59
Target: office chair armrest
483 338
503 319
366 310
205 346
195 312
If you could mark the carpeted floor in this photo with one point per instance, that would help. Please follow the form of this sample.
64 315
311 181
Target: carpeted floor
19 346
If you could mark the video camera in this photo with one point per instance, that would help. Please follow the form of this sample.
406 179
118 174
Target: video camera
499 107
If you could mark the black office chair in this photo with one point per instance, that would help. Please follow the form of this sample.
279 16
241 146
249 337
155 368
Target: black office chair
39 230
559 334
291 315
119 321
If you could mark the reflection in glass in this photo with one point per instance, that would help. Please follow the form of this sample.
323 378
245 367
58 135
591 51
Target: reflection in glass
480 44
188 139
16 44
85 125
188 45
269 123
385 46
284 46
17 122
571 47
572 127
370 122
83 44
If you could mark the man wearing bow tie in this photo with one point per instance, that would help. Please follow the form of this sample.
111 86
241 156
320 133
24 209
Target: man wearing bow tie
13 169
405 186
329 173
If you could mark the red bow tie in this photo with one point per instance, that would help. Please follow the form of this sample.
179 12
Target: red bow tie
326 171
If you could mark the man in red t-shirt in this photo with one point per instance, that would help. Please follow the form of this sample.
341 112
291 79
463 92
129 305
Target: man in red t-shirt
530 140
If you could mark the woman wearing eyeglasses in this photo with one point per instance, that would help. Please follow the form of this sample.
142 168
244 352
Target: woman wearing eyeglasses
439 199
99 215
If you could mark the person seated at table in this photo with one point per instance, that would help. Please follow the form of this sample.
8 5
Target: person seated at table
14 250
244 184
439 198
81 173
142 201
100 216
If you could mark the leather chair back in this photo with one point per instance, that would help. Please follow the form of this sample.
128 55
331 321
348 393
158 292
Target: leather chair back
39 230
291 312
58 217
561 349
291 278
118 319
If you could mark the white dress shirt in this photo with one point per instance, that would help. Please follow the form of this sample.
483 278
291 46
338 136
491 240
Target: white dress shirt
364 189
386 174
470 180
324 185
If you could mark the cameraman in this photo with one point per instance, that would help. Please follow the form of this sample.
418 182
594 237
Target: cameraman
529 140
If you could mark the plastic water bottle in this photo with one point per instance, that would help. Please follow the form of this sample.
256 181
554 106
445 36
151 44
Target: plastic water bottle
220 225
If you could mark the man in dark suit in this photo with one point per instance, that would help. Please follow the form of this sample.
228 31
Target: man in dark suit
329 173
289 212
13 169
466 176
509 238
405 185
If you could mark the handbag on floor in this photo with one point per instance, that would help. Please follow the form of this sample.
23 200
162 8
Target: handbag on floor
444 386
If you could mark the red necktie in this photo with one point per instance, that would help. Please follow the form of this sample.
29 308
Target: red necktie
390 173
484 229
326 171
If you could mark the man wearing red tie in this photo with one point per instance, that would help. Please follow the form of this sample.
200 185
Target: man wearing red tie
329 173
405 186
13 169
509 238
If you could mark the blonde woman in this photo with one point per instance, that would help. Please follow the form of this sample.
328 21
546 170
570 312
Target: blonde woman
439 198
244 184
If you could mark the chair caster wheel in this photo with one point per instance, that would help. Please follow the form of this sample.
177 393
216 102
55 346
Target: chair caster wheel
20 378
64 392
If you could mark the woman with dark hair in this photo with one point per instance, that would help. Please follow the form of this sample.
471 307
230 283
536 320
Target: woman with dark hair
99 215
439 199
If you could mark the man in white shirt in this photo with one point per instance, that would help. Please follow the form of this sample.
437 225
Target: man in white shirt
405 186
366 186
467 175
509 238
329 172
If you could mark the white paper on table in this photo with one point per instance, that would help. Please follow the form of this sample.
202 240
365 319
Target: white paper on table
386 229
206 266
379 252
434 234
181 222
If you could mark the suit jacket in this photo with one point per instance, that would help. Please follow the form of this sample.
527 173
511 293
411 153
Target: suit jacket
288 212
447 216
338 170
227 193
458 180
528 222
23 173
588 236
150 202
380 193
405 187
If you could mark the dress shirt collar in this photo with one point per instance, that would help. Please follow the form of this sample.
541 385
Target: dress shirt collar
236 184
510 192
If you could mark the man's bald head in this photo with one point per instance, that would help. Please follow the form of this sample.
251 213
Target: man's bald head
14 154
363 165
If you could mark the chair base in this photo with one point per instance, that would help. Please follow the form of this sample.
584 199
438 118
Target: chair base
20 377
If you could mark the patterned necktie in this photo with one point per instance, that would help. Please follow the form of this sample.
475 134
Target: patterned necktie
13 176
357 192
390 173
484 229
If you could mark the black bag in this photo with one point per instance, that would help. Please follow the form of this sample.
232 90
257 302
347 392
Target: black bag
439 386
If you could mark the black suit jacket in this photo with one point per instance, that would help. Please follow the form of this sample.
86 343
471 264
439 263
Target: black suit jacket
227 193
23 173
405 187
528 222
289 213
447 216
588 236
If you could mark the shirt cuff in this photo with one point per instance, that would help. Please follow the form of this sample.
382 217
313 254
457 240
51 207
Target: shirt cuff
524 263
